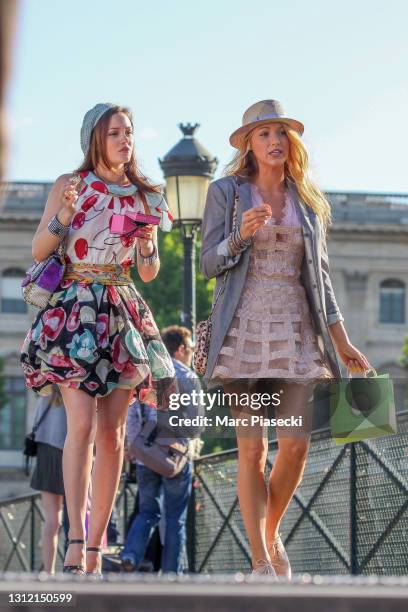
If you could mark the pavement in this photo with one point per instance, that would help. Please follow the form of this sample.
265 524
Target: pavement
203 593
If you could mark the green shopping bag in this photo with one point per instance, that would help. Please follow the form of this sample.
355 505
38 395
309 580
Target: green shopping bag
362 408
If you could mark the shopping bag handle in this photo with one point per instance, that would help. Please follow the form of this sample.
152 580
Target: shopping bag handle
365 375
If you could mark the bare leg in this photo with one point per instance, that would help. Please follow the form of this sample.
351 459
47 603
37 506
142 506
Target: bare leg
110 434
252 491
52 508
77 464
290 460
285 477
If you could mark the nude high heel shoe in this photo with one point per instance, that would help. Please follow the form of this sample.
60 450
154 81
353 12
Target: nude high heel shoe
264 568
280 559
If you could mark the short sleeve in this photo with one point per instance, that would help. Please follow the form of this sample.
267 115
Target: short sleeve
158 206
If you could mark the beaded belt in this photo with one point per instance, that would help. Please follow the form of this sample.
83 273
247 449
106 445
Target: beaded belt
103 274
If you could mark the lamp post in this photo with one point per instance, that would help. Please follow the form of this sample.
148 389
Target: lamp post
188 168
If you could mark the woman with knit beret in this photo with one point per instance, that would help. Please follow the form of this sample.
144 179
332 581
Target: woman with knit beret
97 338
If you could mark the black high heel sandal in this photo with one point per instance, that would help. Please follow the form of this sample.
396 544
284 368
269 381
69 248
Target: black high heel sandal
98 550
74 569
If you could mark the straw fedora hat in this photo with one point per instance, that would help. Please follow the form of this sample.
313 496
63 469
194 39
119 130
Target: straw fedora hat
266 111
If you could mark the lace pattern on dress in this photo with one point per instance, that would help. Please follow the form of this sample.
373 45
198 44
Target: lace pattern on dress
271 334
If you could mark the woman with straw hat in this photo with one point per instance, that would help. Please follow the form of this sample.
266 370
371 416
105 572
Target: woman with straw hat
276 325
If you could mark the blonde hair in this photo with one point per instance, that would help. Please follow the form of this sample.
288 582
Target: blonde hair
244 165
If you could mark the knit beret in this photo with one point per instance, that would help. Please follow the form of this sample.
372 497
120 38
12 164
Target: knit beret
90 120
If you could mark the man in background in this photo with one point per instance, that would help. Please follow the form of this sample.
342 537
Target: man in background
156 491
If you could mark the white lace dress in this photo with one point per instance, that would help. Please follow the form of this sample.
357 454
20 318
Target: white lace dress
271 334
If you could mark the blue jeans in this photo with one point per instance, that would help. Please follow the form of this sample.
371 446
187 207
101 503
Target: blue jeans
176 492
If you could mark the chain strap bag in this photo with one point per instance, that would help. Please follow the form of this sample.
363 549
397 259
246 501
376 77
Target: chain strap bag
204 328
43 278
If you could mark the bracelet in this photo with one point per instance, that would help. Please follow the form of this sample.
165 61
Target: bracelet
236 243
147 261
56 228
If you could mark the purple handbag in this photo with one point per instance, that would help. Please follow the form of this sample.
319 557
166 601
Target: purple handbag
42 278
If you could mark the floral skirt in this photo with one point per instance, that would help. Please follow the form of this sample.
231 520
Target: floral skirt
96 338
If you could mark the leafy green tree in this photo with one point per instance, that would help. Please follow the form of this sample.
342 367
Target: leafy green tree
404 356
165 298
404 363
165 294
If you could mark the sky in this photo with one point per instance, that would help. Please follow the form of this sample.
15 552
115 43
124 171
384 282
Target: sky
339 67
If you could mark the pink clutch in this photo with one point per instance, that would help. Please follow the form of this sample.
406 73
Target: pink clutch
130 223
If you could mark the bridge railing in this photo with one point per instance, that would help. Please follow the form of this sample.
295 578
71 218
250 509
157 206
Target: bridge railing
348 516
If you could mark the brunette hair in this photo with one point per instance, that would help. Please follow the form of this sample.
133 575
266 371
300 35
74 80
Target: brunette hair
174 336
97 152
244 164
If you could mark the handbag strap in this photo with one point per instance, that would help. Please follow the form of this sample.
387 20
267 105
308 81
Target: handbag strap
365 374
61 248
234 224
42 417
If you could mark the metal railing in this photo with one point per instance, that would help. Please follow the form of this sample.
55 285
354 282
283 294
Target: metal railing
21 520
348 516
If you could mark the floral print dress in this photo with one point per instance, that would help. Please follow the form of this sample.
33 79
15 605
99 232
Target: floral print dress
92 336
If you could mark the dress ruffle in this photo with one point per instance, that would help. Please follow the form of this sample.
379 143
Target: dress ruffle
96 338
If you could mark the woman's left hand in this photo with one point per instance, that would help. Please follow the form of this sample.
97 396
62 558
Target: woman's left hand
352 358
146 238
145 233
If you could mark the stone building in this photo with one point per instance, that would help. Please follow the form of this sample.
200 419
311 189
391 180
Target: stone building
368 247
21 205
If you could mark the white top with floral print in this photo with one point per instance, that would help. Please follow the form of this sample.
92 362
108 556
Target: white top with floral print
89 239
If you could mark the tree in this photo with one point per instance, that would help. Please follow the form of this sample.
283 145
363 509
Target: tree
164 294
404 363
164 297
404 356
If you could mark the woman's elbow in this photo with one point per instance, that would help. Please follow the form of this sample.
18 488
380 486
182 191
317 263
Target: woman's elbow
206 273
205 268
36 252
148 275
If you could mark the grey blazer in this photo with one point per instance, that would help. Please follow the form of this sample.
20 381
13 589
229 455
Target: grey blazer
215 259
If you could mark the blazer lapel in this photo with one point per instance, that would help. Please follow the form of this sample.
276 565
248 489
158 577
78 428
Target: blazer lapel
244 197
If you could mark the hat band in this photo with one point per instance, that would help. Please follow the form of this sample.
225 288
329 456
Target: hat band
265 117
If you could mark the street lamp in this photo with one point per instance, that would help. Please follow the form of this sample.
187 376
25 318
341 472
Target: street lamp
188 168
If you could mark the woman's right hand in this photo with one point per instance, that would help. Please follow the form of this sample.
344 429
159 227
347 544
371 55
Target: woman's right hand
253 219
69 198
